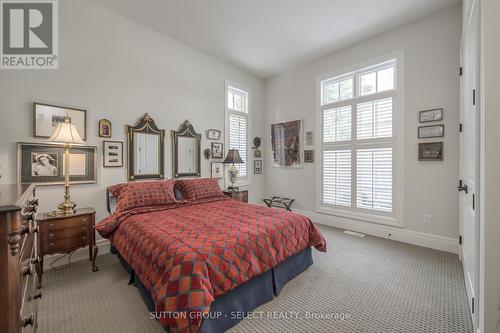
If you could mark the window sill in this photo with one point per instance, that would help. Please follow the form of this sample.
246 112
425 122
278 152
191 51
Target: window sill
372 218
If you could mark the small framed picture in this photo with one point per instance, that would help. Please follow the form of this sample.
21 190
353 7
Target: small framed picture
257 167
104 128
430 151
427 116
112 154
432 131
213 134
217 150
309 156
257 153
217 170
46 117
309 138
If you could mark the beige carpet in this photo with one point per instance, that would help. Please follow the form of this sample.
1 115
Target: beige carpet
364 284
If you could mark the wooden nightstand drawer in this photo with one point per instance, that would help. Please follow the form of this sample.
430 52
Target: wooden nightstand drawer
64 233
71 222
238 195
63 244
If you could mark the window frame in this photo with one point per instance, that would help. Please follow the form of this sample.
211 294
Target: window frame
242 181
396 141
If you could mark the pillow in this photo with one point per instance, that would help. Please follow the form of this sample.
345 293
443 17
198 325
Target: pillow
143 194
200 188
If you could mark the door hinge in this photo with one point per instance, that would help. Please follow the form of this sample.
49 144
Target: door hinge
472 304
460 71
460 240
460 127
473 201
473 96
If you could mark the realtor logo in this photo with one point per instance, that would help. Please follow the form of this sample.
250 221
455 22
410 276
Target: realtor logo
29 37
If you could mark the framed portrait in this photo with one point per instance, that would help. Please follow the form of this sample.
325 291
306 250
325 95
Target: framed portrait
217 170
257 167
432 131
112 154
213 134
309 138
286 144
427 116
309 156
217 150
430 151
43 164
257 153
46 117
104 128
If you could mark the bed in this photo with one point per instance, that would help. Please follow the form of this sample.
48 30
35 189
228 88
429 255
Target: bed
201 261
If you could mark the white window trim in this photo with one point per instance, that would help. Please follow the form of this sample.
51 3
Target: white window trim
396 219
244 181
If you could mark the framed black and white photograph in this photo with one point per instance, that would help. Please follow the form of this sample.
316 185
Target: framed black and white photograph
112 154
430 151
43 164
46 117
217 150
427 116
217 170
309 138
257 167
213 134
257 153
309 156
431 131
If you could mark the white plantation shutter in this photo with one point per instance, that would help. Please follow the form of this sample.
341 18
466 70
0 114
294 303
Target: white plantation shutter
238 139
374 179
357 173
337 177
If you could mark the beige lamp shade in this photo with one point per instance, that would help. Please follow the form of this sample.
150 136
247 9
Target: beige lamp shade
66 132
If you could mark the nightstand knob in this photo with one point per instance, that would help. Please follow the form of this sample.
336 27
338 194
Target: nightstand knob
50 236
51 244
84 221
50 226
84 238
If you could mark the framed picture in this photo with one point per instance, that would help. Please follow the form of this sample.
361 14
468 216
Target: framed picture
309 156
43 164
217 150
257 167
309 138
430 115
46 117
217 170
432 131
430 151
286 144
104 128
257 153
213 134
112 154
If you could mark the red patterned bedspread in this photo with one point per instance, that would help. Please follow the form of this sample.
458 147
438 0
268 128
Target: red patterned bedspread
189 253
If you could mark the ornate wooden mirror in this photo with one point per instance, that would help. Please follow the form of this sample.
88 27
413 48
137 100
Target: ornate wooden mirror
186 151
146 146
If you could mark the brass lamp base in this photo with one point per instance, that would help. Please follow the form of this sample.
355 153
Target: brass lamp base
67 207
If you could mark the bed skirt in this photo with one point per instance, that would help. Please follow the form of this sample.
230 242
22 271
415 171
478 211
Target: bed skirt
227 310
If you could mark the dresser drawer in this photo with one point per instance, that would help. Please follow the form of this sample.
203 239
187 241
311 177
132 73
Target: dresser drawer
57 234
63 244
72 222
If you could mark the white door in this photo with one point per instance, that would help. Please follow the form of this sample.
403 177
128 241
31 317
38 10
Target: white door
469 155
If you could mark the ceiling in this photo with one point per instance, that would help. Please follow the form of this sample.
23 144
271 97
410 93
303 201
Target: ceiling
266 37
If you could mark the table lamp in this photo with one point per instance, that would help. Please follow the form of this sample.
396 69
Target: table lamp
66 134
233 157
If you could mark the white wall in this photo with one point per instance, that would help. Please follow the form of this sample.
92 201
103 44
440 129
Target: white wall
431 62
119 70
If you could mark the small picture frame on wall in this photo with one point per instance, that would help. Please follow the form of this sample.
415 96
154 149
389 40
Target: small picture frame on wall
309 138
104 128
217 170
427 116
46 117
430 151
309 156
257 153
213 134
431 131
112 154
217 150
257 167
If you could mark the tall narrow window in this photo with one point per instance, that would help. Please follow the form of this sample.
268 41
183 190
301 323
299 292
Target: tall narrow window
237 126
358 140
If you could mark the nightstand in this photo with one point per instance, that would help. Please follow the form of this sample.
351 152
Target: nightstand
66 233
241 195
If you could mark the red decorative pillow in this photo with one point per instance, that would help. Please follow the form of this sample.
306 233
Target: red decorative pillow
143 194
200 188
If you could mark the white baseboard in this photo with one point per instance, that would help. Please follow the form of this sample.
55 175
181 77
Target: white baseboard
103 246
398 234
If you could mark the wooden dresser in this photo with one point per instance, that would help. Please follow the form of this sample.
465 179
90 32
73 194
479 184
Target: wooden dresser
19 259
241 195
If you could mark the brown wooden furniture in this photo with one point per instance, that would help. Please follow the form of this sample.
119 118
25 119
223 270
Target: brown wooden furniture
20 265
241 195
66 233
